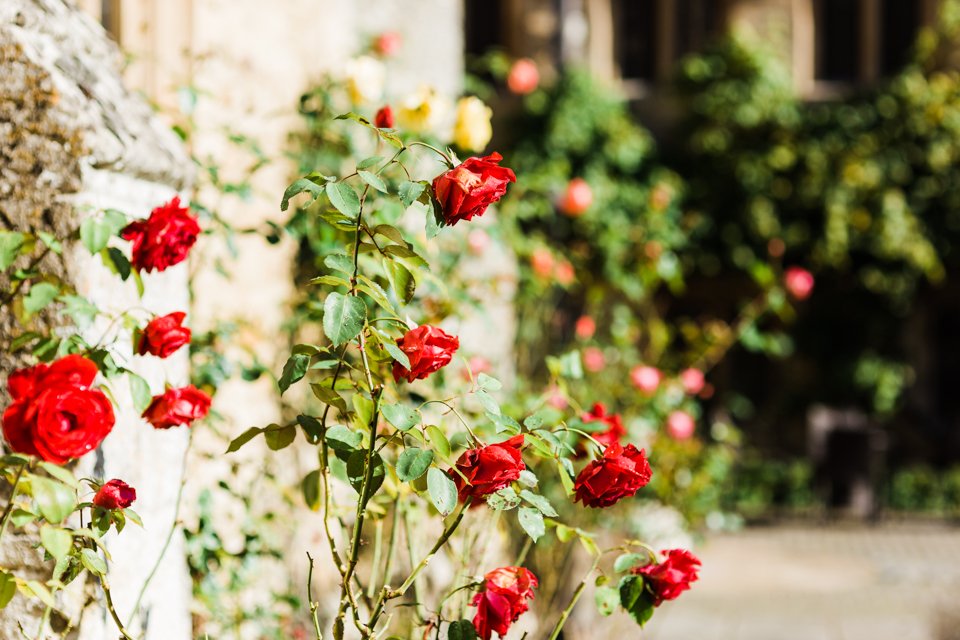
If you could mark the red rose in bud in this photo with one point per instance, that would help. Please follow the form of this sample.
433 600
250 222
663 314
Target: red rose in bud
176 407
163 335
163 239
668 579
585 327
428 348
692 380
799 282
54 414
620 473
577 198
477 241
503 600
388 43
523 77
384 118
646 379
680 425
469 188
115 494
593 359
541 261
488 469
615 429
565 273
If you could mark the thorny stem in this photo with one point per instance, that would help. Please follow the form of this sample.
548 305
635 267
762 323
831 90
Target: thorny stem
573 601
13 494
112 609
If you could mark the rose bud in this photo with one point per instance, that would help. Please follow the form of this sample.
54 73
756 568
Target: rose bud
799 282
176 407
565 273
503 600
387 43
54 414
680 425
585 327
577 198
620 473
646 379
477 241
163 239
469 188
541 261
428 348
668 579
163 335
115 494
692 380
488 469
523 77
593 359
615 429
384 118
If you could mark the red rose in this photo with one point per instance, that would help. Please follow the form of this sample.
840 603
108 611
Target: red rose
692 380
115 494
799 282
387 43
163 335
488 469
163 239
177 407
620 473
577 198
503 599
428 348
670 578
585 327
615 429
468 189
681 425
523 77
384 118
55 414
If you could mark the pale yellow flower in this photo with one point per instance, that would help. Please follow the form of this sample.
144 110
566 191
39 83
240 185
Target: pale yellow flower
422 112
365 78
472 130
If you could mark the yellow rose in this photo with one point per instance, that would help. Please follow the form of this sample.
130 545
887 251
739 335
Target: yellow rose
365 79
472 130
421 112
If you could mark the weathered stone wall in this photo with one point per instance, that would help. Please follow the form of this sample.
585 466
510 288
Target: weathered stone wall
72 140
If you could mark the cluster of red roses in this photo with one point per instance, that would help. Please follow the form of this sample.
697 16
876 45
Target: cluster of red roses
56 413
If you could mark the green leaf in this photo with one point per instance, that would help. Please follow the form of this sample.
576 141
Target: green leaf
503 500
22 517
443 492
635 600
369 162
413 463
532 522
434 219
439 441
56 540
80 310
54 499
117 262
93 562
528 478
606 599
95 233
541 503
8 588
364 410
344 199
461 630
139 391
280 437
401 281
628 561
487 402
294 370
329 396
396 353
339 262
40 295
373 180
488 383
63 475
311 427
34 588
409 192
300 186
343 317
566 478
356 468
400 416
341 438
11 243
310 487
244 438
51 241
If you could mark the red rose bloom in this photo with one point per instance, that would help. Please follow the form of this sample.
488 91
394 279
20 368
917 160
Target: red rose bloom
468 189
503 599
163 239
55 414
615 429
670 578
384 118
799 282
115 494
177 407
621 472
428 348
163 335
489 468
